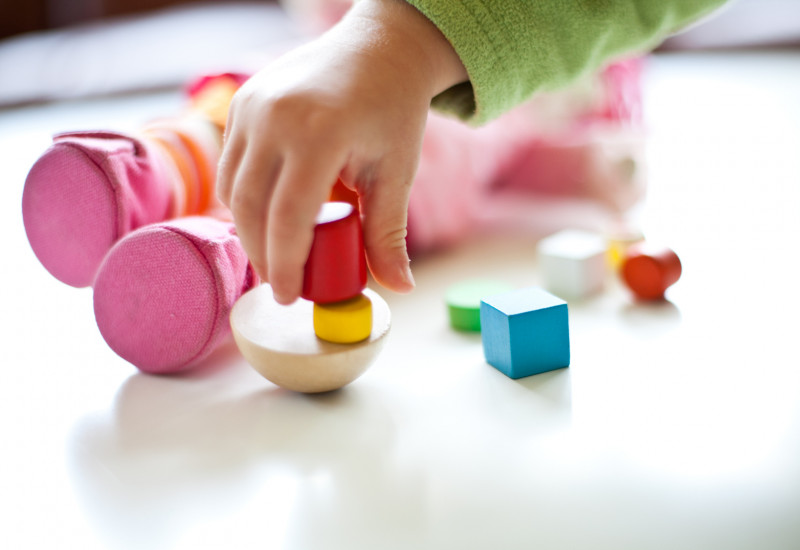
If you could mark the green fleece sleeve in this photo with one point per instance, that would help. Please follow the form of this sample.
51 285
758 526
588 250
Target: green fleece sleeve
515 48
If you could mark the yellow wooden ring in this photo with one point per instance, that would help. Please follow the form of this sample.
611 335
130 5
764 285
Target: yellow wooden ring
279 342
344 322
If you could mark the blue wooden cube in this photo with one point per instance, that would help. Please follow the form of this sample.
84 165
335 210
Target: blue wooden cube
525 332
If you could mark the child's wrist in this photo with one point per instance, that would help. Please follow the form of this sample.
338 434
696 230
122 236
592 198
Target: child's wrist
411 36
448 70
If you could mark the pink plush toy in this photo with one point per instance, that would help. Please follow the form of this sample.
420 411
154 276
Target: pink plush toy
136 217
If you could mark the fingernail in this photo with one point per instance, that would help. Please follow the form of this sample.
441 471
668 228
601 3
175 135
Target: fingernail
282 299
409 277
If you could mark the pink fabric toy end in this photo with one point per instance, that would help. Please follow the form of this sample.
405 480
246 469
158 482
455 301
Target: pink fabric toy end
163 294
84 193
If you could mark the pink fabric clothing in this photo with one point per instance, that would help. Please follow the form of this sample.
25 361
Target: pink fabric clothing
572 159
84 193
164 293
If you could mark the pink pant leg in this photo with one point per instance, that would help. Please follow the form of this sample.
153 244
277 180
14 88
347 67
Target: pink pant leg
163 294
89 189
84 193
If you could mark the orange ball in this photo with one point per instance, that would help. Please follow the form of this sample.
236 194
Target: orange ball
650 270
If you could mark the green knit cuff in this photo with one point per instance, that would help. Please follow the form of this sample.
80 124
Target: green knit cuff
515 48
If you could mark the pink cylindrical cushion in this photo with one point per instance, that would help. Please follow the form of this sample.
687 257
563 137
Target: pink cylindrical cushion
84 193
163 294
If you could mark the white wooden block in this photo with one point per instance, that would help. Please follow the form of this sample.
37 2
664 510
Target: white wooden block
573 263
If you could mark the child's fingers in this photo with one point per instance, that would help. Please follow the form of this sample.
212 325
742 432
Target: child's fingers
233 150
253 187
229 161
304 184
385 210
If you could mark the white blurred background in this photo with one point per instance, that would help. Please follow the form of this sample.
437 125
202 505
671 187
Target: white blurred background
59 49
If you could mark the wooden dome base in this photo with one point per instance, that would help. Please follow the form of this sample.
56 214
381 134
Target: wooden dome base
280 343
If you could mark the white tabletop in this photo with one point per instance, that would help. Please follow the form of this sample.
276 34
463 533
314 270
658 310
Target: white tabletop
676 426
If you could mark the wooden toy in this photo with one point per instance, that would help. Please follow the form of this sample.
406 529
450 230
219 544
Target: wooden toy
619 241
344 322
649 270
336 273
336 268
331 335
573 263
525 332
280 343
464 302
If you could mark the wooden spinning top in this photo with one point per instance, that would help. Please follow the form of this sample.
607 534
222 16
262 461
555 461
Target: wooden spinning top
280 343
330 336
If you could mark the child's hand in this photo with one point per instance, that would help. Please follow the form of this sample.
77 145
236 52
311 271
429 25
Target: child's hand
353 104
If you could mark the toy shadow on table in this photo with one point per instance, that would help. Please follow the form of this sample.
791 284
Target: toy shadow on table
172 449
650 318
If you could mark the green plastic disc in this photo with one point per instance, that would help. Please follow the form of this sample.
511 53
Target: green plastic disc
464 301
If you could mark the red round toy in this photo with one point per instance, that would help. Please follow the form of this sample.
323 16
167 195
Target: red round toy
336 268
649 271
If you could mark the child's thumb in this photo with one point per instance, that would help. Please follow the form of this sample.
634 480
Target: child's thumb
384 206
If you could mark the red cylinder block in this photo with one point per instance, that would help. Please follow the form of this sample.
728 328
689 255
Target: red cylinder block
342 193
336 268
649 271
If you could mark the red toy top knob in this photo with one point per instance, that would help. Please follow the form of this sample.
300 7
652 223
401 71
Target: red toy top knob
336 268
649 271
